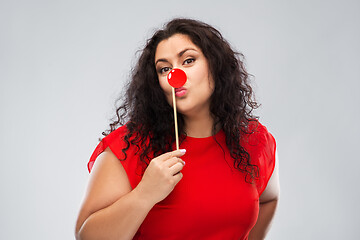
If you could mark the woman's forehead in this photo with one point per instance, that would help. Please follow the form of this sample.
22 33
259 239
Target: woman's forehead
175 45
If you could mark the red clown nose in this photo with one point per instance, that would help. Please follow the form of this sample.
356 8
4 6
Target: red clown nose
176 78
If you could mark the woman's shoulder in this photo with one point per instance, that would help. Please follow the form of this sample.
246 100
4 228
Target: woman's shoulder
257 134
261 145
120 132
124 151
114 141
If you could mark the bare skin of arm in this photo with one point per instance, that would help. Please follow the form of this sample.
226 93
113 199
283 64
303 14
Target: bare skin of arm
111 209
268 204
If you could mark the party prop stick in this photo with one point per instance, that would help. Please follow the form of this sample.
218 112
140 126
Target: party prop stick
175 118
176 79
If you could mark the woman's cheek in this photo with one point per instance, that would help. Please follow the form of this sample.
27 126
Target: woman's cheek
165 86
163 83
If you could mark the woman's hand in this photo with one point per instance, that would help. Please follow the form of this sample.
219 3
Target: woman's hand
161 176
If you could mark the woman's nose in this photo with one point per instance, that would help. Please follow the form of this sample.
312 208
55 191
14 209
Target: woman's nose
176 77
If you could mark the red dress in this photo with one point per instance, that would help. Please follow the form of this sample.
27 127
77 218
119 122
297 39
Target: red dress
212 200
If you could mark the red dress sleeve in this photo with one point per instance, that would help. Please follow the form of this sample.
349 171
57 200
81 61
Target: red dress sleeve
267 160
261 146
115 141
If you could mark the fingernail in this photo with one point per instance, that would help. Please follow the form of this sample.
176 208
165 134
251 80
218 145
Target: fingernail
183 162
183 150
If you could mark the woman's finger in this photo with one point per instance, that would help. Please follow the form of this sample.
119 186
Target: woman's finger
176 153
178 177
176 168
170 162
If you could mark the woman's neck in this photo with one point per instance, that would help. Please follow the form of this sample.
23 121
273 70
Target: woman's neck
199 126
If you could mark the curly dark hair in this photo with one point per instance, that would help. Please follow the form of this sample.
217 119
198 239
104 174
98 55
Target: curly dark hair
149 117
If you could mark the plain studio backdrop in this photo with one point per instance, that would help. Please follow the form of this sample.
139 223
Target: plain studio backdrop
64 63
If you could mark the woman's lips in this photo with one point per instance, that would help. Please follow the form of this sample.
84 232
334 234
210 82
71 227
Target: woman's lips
179 92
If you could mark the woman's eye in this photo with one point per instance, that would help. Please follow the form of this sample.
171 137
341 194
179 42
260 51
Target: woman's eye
189 60
164 69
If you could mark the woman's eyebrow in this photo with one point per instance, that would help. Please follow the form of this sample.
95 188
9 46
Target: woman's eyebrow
183 51
179 55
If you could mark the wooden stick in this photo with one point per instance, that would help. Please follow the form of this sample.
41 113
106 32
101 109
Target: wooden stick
175 119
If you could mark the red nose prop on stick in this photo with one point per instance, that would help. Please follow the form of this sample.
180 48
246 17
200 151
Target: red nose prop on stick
176 78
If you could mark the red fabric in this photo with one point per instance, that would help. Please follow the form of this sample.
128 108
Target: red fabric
212 201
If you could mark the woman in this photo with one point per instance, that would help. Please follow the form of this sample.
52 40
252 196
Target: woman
140 188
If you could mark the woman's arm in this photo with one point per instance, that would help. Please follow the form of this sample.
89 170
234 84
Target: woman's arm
111 209
268 203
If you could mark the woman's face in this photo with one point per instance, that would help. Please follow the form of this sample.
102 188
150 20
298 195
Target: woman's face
179 51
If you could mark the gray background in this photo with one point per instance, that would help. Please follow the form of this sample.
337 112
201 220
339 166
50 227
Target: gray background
63 64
